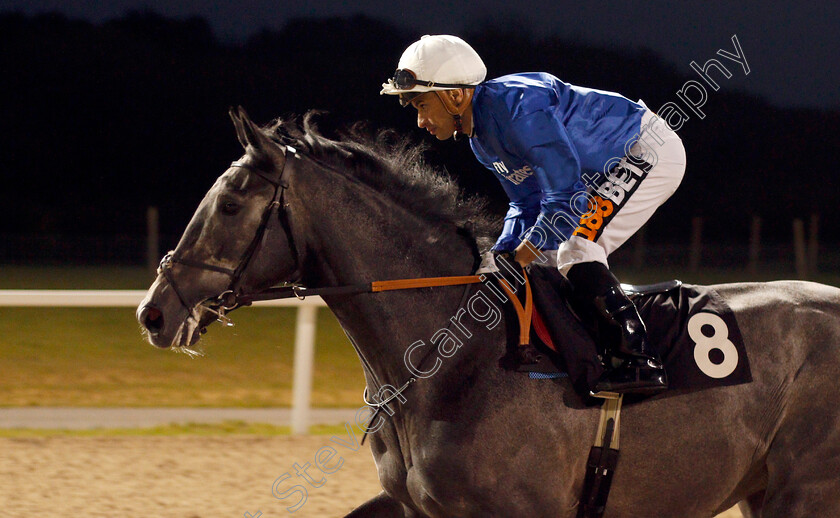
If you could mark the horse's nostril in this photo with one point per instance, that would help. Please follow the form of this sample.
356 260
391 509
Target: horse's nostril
152 319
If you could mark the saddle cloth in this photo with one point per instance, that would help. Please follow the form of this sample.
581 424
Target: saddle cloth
691 327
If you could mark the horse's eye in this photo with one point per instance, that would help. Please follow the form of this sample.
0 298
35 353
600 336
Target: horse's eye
229 208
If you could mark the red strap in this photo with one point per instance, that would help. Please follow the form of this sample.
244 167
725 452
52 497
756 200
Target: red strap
541 329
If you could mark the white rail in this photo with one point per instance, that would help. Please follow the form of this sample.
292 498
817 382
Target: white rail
109 299
304 339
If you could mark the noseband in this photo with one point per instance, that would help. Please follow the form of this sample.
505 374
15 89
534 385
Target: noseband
228 299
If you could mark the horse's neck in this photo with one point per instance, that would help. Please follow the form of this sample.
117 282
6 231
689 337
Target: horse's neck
368 237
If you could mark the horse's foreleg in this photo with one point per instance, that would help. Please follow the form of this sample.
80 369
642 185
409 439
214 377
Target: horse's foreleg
380 506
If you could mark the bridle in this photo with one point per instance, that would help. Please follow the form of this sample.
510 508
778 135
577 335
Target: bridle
233 297
229 298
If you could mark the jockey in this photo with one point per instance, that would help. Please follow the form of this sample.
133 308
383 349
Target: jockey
584 170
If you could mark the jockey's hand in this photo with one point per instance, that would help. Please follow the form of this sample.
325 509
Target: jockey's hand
525 253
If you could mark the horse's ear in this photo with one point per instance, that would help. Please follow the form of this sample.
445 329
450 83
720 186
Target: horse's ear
238 124
246 131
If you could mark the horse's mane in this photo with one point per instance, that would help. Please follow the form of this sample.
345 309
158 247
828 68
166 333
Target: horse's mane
395 165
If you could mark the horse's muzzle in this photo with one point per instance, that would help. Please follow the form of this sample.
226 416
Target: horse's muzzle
151 318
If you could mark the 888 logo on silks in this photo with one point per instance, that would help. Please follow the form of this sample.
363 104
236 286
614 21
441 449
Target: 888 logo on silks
610 196
593 222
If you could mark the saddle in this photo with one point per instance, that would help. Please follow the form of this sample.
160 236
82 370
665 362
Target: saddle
692 329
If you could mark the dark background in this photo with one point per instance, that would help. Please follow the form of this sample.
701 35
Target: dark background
102 119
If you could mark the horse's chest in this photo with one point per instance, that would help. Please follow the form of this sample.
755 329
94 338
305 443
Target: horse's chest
448 479
425 479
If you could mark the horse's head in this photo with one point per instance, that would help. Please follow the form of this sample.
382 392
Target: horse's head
239 240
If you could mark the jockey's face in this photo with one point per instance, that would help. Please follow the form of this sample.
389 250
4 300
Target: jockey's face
433 117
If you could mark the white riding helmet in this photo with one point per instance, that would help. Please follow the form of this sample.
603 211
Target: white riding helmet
433 63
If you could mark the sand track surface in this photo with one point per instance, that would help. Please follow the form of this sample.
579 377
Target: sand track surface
179 477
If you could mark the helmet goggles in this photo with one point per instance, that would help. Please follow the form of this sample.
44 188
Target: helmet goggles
404 80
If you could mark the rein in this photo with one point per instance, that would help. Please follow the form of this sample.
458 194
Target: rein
301 292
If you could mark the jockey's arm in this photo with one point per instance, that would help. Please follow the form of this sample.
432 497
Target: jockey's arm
523 210
543 142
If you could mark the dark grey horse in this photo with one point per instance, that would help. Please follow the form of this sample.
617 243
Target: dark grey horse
472 439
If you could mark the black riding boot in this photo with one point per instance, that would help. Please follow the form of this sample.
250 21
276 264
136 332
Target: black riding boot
640 370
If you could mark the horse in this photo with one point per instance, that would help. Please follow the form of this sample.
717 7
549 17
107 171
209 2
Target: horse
468 438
